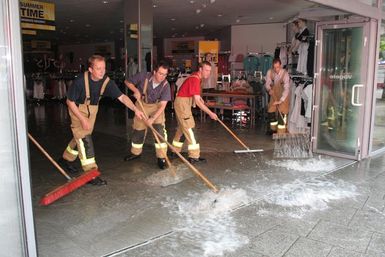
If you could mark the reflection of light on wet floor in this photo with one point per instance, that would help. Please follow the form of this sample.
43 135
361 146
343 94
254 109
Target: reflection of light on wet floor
165 178
312 165
206 219
300 197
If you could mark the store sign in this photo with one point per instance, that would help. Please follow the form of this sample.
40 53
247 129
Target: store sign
343 76
208 47
183 47
37 15
40 44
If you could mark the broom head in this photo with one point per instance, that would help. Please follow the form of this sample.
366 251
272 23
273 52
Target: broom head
68 187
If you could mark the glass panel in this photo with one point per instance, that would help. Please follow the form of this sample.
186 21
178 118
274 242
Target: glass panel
11 226
341 69
379 120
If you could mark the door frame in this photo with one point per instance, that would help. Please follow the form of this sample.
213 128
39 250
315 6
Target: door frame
320 26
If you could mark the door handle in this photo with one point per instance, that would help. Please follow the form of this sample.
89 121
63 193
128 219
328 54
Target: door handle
354 98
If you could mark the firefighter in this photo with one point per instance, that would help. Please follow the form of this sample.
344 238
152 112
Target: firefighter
82 101
188 96
153 90
278 86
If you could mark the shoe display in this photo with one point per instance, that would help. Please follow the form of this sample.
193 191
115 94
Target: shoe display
67 166
98 182
131 157
162 163
197 160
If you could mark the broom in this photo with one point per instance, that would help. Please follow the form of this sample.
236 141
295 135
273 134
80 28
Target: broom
247 149
195 170
71 185
291 145
171 167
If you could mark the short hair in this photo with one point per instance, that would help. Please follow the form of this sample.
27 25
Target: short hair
162 64
95 58
204 63
277 60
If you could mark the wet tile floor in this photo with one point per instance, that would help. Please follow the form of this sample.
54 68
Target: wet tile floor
322 206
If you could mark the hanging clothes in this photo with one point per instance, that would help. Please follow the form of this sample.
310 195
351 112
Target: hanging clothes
250 64
307 96
223 64
266 62
303 50
283 56
297 122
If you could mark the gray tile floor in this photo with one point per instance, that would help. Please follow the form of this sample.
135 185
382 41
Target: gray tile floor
326 207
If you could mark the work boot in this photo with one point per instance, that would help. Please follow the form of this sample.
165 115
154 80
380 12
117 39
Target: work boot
97 182
67 166
162 163
131 157
197 160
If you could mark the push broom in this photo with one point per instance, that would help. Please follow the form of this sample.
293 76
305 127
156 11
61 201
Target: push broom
291 145
195 170
247 149
170 166
71 185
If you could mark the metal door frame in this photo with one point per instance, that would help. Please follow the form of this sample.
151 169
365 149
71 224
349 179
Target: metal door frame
317 94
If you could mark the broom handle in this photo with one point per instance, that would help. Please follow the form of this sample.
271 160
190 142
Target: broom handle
49 157
232 133
280 113
195 170
157 139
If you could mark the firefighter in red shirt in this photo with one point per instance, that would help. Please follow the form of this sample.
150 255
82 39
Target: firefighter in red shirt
189 95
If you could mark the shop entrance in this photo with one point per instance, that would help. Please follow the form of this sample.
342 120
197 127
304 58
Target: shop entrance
342 59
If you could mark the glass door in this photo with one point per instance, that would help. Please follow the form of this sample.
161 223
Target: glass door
342 54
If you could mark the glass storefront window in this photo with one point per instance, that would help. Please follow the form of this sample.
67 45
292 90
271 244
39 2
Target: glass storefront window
379 120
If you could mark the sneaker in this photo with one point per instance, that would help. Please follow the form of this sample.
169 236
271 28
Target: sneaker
67 166
162 163
131 157
97 182
197 160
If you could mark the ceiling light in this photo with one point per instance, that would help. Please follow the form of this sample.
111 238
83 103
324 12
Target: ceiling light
192 1
202 25
88 25
154 5
237 20
198 11
270 18
72 20
212 1
204 5
196 27
105 2
219 15
121 21
172 19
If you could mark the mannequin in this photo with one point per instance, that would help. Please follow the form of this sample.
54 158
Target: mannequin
303 46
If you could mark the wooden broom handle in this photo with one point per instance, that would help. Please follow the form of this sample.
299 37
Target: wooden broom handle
195 170
49 157
157 140
232 133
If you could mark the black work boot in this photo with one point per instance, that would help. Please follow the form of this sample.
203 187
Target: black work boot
97 182
67 166
162 163
197 160
131 157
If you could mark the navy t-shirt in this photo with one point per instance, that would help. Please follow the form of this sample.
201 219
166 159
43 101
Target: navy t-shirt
77 92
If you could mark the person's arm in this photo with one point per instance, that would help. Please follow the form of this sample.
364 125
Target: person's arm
127 102
268 82
75 110
201 104
158 112
133 88
286 89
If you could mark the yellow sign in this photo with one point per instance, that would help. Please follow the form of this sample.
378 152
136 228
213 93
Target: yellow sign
29 32
208 47
37 15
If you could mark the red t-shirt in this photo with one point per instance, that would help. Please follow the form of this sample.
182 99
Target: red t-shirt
191 86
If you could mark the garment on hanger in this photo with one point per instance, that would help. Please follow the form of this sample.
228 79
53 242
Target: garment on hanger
303 38
297 122
283 55
250 64
307 96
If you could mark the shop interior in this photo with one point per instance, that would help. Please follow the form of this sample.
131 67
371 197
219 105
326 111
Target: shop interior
240 41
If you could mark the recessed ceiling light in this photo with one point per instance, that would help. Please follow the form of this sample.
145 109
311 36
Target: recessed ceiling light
105 2
204 5
202 25
196 27
270 18
198 11
154 5
88 25
237 20
72 20
212 1
121 21
192 1
172 19
219 15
